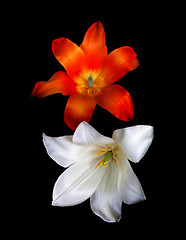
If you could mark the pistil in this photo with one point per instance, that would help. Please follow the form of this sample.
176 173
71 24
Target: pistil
90 81
108 157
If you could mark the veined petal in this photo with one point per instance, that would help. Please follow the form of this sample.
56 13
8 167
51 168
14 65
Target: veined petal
129 186
60 82
77 183
79 108
118 63
106 201
94 46
69 55
85 134
62 150
116 100
134 141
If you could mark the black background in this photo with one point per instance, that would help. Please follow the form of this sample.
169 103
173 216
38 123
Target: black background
124 26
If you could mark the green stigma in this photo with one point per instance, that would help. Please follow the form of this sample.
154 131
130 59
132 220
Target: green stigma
90 81
108 155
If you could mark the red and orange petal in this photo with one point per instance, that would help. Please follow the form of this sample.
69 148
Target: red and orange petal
94 46
69 55
79 108
117 64
117 101
60 82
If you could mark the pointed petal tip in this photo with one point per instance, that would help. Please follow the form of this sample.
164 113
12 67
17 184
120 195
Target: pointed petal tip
129 116
44 136
119 103
146 130
99 24
96 24
139 199
149 131
54 203
142 198
35 90
42 89
82 124
94 46
109 220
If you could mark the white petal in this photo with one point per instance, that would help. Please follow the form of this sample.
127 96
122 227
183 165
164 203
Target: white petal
129 186
86 134
106 201
77 183
62 149
134 141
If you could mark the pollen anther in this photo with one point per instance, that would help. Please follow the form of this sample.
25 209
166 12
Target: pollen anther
99 153
104 149
115 161
98 163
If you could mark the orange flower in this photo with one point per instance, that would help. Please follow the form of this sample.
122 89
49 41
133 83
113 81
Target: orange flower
90 73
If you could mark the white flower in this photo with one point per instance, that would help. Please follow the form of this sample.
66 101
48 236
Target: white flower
99 168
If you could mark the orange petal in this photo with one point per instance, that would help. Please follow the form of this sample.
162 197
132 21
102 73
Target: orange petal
58 83
116 100
79 108
69 55
94 46
118 63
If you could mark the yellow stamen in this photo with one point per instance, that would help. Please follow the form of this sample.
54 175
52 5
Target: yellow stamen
108 156
109 168
99 153
104 149
99 163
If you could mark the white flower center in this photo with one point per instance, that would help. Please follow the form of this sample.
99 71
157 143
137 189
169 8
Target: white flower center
109 155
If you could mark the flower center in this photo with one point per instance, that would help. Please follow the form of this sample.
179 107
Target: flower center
90 80
108 157
89 83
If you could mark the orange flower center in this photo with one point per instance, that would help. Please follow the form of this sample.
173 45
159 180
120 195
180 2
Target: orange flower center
88 83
